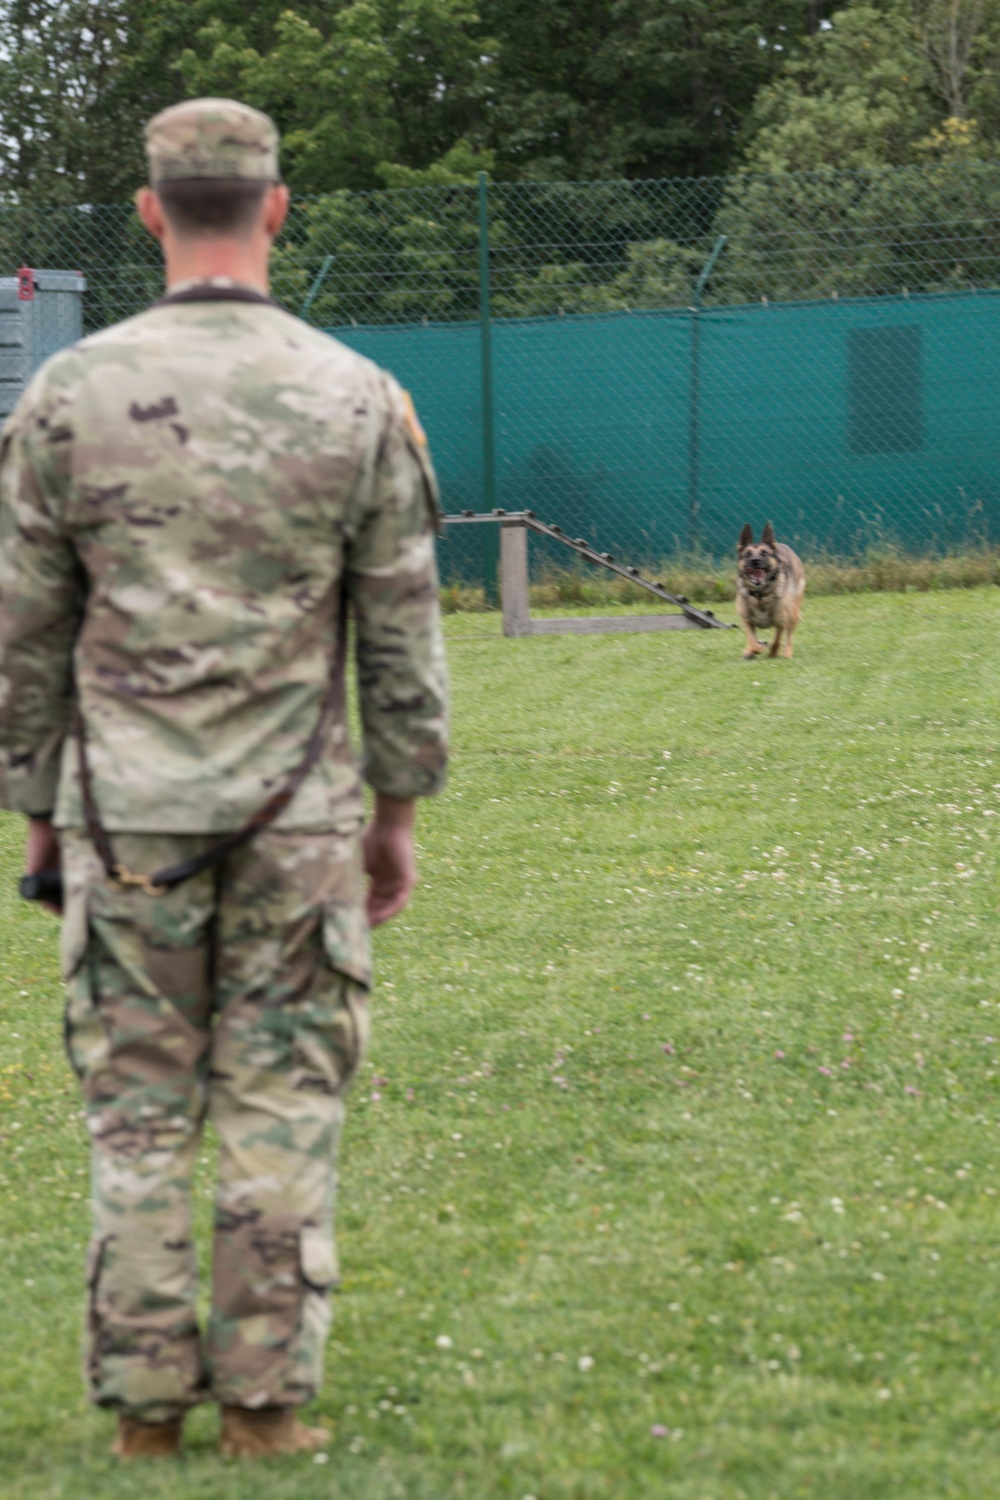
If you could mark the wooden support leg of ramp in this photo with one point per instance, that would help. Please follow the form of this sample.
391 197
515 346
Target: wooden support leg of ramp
514 580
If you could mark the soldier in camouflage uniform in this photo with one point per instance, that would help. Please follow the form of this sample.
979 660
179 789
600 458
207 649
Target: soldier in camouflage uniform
187 502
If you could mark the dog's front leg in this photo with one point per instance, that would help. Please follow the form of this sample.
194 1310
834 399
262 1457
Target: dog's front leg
790 632
776 642
754 647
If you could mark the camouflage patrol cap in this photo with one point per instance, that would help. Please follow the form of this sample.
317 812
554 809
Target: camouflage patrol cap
212 138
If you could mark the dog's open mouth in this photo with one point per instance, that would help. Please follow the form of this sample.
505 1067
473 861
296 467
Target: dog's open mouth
756 573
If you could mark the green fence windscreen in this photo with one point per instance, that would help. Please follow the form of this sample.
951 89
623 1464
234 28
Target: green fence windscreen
667 359
843 422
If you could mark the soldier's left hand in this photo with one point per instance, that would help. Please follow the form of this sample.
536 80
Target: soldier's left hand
390 862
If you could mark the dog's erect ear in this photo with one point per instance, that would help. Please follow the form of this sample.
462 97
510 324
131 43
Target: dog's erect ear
746 538
767 537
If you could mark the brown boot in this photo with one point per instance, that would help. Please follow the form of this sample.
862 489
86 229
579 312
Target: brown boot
269 1432
147 1439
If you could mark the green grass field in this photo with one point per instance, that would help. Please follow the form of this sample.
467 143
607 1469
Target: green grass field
674 1170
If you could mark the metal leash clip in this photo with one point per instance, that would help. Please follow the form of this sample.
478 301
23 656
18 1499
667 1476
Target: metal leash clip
125 878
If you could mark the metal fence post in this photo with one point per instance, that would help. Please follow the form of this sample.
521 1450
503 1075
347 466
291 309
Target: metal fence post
316 286
491 550
694 429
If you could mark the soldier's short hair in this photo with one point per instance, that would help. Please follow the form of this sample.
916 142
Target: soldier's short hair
212 205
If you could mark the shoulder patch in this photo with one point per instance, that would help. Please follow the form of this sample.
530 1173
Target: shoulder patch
412 421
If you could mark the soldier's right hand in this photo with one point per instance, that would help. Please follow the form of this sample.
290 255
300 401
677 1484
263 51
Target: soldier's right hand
42 854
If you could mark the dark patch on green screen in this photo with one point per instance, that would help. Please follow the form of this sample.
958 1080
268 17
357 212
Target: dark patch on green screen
885 390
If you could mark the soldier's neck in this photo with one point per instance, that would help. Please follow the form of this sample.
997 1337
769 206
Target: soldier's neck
197 260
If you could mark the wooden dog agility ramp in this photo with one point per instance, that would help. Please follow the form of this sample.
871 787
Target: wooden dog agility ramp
514 528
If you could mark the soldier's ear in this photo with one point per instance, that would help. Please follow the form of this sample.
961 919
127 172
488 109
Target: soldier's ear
767 537
746 538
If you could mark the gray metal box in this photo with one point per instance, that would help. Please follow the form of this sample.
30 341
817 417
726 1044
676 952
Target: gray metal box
40 312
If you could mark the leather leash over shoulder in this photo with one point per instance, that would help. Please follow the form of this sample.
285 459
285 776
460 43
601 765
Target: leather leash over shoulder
173 875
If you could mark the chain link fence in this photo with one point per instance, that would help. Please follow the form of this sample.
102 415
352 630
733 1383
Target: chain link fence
649 364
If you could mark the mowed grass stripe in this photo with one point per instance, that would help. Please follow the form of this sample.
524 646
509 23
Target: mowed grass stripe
674 1167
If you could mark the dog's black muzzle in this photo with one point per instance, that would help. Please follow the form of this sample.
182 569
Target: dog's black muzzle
757 580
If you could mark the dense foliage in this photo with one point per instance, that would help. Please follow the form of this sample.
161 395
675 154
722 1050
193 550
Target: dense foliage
860 143
370 92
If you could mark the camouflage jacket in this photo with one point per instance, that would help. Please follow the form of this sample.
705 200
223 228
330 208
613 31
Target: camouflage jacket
183 497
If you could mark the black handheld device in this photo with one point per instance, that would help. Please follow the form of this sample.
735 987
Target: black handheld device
48 886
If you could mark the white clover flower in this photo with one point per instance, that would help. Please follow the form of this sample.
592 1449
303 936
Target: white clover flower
443 1341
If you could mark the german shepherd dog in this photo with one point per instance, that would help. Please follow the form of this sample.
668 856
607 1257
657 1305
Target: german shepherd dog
770 582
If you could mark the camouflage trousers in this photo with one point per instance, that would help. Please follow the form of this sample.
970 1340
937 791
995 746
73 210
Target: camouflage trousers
240 998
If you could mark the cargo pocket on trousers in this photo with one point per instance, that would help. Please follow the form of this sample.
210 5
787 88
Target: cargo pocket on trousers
319 1273
348 946
348 942
318 1258
86 1036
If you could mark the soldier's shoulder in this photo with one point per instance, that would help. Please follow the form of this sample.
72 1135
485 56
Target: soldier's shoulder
264 326
340 366
289 351
326 346
73 365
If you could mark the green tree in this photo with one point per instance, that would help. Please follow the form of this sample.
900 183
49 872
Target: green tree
387 257
57 63
571 88
656 274
79 77
859 95
607 88
366 83
962 41
867 170
350 84
631 88
875 85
